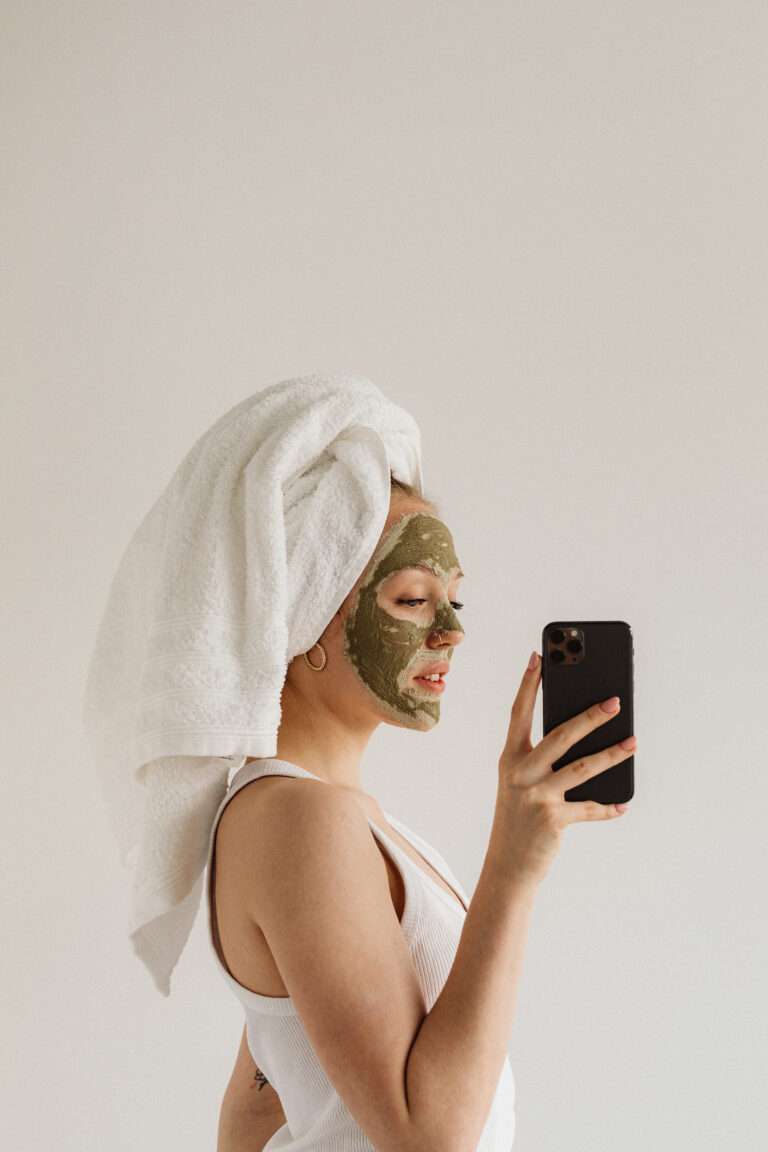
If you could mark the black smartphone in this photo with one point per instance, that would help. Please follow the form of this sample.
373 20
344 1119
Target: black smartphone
582 663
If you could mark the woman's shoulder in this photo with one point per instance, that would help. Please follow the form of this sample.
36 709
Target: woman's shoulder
278 798
254 799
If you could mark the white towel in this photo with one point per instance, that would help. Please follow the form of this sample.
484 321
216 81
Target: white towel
236 569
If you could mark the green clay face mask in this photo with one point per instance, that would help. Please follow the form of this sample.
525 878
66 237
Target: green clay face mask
387 650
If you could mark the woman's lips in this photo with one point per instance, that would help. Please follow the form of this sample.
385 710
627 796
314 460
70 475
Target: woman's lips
436 686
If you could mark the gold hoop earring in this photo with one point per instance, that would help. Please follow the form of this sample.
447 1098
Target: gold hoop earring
316 667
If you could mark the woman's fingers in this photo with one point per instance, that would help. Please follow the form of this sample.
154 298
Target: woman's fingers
578 810
571 775
557 741
518 742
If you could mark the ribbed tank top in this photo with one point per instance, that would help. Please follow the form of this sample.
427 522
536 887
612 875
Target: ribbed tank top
317 1119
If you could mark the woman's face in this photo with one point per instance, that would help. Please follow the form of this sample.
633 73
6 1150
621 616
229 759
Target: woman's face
390 642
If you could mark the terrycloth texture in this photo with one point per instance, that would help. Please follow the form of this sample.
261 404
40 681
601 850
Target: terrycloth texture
237 568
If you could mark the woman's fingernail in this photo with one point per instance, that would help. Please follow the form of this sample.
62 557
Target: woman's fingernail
611 705
533 660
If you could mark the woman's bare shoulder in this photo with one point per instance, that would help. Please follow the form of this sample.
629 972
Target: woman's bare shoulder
256 798
275 802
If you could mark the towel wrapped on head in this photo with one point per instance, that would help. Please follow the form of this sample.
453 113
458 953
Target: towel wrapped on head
237 568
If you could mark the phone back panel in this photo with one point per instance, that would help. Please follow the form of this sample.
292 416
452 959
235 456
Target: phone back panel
605 669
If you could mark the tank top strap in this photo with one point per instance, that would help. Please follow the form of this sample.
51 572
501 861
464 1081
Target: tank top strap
415 880
273 766
269 766
434 858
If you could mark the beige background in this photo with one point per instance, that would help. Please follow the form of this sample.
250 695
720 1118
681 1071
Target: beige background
542 229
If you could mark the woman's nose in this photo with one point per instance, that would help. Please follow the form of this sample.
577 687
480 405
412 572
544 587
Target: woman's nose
443 636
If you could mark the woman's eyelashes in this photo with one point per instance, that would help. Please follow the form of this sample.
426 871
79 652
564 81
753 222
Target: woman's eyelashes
422 600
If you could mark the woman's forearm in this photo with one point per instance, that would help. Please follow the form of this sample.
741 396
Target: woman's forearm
456 1059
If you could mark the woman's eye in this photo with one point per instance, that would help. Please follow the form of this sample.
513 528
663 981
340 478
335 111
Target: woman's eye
454 603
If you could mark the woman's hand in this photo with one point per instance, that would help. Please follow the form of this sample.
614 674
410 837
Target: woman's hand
533 795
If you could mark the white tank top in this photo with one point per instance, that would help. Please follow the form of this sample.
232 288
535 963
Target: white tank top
316 1117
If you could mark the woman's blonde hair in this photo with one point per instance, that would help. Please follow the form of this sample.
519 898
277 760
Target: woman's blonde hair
413 493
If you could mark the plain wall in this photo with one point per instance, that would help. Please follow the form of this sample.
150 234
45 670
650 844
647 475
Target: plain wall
542 230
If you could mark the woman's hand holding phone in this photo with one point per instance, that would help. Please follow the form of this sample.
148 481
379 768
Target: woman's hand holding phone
532 794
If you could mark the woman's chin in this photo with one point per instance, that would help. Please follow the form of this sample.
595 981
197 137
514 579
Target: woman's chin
418 714
418 721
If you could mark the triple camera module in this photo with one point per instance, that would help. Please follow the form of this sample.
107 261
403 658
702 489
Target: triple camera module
565 645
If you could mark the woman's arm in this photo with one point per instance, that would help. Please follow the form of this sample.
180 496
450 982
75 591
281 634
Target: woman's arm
251 1111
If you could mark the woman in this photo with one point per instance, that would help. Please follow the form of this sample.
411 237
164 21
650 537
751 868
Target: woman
413 1064
378 999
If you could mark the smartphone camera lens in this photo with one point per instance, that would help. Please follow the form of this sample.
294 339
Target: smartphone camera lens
565 646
